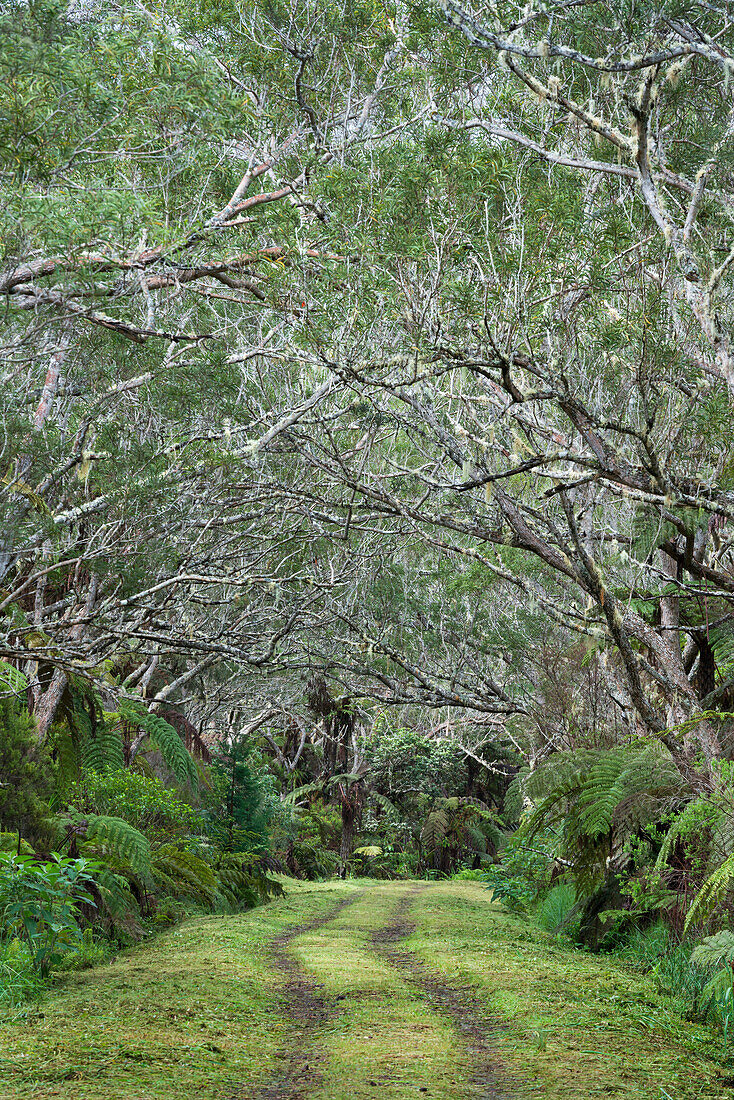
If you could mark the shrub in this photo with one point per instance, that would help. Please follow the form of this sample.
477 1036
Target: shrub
39 903
142 801
90 951
523 873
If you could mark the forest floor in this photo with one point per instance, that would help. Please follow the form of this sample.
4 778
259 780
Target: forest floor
344 991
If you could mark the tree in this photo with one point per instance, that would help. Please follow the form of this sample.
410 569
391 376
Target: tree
155 254
26 770
539 380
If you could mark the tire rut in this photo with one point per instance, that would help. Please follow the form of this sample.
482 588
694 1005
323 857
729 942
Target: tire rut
487 1081
305 1008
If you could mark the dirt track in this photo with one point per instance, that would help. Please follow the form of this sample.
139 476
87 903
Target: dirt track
308 1008
457 1004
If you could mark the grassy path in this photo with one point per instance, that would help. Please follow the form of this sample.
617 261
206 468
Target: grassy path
343 992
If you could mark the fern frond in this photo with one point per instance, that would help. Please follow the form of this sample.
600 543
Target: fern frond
371 851
711 894
120 845
101 749
167 739
190 874
390 807
12 680
435 828
117 898
714 951
648 531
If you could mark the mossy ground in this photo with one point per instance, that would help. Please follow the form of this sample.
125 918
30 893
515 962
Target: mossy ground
195 1012
188 1014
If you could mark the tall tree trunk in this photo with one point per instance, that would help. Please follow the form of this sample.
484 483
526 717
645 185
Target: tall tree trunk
345 848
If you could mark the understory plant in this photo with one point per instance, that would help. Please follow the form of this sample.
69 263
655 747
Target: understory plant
40 903
523 872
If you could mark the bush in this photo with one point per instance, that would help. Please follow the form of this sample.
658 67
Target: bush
142 801
523 874
39 903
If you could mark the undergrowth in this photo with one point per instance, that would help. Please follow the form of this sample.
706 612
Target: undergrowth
20 982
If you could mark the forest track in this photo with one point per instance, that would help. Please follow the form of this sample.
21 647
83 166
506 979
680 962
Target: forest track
320 996
305 1007
308 1009
487 1081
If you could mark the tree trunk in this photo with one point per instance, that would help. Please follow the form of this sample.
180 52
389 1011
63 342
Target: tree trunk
345 848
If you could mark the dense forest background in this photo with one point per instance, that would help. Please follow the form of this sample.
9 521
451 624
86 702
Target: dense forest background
366 464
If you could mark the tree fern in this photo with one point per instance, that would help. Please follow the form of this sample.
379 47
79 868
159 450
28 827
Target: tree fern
599 797
714 951
120 845
167 739
238 889
118 901
182 872
243 885
68 757
648 532
711 894
435 829
97 744
101 748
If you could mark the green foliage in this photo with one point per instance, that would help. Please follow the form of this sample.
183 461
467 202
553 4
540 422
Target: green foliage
523 872
39 902
19 980
167 739
13 682
455 826
91 950
240 800
714 951
711 893
14 842
556 911
25 767
403 761
101 746
180 872
598 798
121 910
657 950
121 846
142 801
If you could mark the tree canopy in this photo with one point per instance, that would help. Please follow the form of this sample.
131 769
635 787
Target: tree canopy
366 359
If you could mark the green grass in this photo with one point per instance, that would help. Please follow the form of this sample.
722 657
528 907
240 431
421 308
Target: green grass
189 1014
194 1012
19 982
384 1034
606 1030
